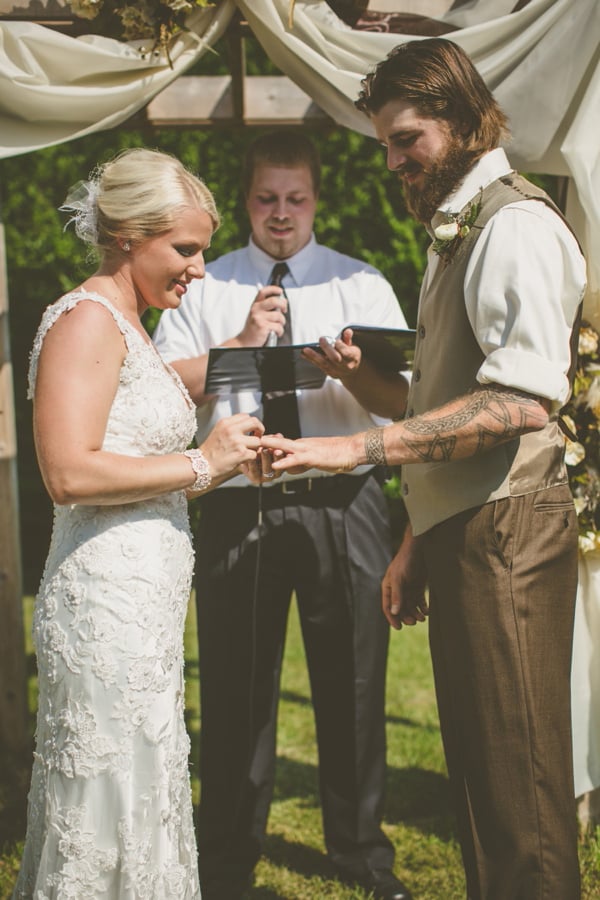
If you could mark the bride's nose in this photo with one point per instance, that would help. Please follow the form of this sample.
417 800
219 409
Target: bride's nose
196 268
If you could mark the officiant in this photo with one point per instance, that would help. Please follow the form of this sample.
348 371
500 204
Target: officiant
325 537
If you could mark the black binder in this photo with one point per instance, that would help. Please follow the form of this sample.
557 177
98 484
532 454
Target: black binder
267 369
389 349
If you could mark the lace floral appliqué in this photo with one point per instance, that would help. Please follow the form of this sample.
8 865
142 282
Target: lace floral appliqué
110 812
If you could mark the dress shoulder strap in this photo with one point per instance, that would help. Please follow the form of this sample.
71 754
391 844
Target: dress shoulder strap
55 311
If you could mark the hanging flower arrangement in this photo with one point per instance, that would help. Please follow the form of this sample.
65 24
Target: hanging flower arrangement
582 417
154 21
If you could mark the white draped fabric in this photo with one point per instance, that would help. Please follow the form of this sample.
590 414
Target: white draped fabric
551 95
585 677
54 88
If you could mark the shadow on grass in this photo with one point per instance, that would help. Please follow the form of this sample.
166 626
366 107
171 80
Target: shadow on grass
192 670
14 785
30 665
421 799
191 724
412 723
301 700
298 858
293 697
416 797
265 893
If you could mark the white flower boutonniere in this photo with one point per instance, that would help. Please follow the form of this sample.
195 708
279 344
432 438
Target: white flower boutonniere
448 235
447 231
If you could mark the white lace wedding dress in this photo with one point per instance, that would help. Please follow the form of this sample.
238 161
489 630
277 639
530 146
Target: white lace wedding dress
110 814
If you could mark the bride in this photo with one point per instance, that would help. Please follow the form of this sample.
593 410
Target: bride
110 812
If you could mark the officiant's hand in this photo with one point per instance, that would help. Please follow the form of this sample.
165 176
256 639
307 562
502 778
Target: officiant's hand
267 314
339 357
377 390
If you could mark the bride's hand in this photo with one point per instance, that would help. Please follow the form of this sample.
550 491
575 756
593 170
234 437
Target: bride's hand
260 470
233 442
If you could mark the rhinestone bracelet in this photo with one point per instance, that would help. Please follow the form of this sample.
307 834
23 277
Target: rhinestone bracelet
201 470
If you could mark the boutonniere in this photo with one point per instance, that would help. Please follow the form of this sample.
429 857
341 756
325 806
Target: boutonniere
449 235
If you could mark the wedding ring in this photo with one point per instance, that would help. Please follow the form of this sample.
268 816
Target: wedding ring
268 474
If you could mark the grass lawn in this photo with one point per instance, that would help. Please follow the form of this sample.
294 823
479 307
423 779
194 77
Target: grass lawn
418 818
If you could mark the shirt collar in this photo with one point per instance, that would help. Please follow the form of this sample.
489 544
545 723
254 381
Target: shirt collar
299 264
489 168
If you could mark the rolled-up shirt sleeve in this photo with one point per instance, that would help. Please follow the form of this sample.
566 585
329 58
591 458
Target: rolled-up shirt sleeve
522 304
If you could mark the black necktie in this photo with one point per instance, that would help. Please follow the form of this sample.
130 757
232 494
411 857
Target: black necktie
280 270
280 409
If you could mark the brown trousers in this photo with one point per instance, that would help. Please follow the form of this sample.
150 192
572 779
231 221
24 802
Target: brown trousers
502 593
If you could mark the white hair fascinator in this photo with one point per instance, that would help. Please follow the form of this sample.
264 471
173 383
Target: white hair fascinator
82 202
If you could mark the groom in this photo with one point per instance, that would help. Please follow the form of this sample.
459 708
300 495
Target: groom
493 528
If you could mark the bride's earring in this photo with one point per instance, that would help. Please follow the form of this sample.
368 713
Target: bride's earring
126 246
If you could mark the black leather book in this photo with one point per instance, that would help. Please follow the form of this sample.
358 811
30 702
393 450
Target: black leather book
266 369
390 349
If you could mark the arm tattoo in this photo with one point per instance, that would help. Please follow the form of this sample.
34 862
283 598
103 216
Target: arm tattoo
374 447
438 449
511 412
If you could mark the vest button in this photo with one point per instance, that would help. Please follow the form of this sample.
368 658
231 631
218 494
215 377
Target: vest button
405 489
421 331
417 375
410 413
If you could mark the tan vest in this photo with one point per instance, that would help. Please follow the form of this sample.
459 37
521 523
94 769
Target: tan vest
447 359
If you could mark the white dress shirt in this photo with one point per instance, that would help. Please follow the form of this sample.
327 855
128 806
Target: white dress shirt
522 303
326 290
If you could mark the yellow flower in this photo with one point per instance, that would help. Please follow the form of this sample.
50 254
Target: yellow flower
589 542
574 453
86 9
588 342
593 397
583 452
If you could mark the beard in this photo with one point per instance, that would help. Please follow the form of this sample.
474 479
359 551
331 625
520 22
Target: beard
440 179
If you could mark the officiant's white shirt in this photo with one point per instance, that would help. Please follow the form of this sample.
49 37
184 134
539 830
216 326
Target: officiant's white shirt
326 290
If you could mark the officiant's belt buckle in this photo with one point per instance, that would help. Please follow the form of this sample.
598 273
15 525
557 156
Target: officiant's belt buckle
302 486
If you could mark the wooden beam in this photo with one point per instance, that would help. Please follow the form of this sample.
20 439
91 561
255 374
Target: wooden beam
13 697
195 100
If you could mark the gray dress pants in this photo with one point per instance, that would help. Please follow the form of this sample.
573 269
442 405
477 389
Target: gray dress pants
329 541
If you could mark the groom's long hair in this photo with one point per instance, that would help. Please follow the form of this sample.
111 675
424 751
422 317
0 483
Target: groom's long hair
438 78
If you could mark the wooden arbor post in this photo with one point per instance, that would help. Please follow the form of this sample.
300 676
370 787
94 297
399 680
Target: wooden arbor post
13 702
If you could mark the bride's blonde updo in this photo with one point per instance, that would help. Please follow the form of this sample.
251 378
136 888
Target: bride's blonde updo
135 196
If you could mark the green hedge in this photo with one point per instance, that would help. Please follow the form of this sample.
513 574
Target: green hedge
360 213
